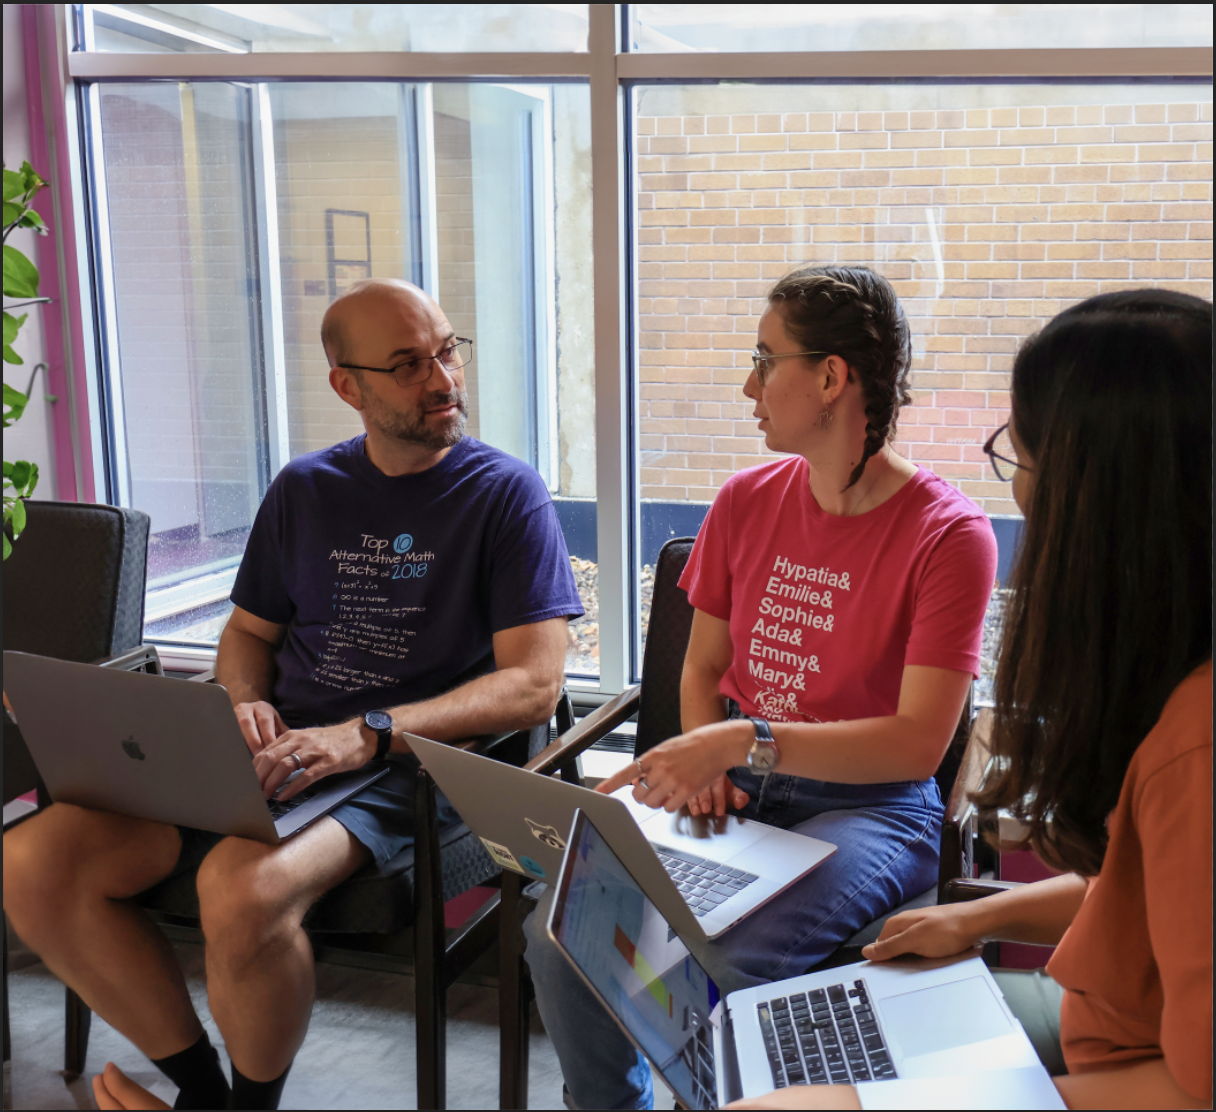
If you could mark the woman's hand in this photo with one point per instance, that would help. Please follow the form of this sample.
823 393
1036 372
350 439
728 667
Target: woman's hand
719 796
683 767
930 932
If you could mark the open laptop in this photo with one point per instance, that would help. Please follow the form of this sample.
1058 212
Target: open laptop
155 748
705 873
913 1024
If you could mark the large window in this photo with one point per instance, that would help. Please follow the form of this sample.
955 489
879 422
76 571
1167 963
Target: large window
600 197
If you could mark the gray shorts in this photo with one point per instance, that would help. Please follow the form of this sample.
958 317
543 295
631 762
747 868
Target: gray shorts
381 817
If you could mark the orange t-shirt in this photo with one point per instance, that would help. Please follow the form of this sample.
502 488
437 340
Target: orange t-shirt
1136 964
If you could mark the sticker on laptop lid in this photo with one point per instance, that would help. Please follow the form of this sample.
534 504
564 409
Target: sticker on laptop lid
546 835
533 867
502 856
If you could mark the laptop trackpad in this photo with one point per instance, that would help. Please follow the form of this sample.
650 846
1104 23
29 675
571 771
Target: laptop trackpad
943 1017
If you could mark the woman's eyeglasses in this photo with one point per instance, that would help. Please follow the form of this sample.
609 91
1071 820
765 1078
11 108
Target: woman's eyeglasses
1000 450
763 364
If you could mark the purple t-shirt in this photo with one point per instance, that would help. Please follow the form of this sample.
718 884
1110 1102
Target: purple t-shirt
391 588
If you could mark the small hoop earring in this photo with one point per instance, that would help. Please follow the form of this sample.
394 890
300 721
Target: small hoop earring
826 416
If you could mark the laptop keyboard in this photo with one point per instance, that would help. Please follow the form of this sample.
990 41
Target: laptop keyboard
705 884
826 1036
281 807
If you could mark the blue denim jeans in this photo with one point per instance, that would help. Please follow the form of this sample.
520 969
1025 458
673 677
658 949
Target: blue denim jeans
887 838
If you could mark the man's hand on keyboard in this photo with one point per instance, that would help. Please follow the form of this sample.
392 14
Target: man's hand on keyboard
260 724
320 751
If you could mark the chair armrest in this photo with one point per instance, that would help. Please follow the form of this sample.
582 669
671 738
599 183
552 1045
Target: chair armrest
142 658
203 677
586 733
965 889
960 822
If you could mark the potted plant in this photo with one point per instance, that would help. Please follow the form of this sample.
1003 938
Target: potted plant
21 282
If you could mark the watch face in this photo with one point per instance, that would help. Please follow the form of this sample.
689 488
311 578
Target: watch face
378 720
764 756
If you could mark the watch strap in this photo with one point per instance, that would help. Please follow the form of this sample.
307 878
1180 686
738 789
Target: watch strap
764 731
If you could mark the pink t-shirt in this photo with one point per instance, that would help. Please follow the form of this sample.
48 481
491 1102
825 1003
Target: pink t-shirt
825 611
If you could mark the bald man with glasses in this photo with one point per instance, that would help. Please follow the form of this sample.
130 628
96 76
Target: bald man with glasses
412 579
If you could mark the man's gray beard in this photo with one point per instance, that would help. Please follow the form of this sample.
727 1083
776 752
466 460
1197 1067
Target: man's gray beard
412 427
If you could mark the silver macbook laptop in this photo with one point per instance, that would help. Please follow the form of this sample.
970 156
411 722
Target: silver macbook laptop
155 748
706 873
936 1034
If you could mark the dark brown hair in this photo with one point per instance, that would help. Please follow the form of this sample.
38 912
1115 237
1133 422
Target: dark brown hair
1111 604
854 313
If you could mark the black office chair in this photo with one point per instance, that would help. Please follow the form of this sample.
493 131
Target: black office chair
73 590
656 702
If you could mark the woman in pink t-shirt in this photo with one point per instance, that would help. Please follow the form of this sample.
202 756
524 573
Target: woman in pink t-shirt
840 593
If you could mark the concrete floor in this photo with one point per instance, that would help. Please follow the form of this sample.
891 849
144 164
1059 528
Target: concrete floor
359 1052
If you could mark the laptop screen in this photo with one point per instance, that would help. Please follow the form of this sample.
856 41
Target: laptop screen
637 965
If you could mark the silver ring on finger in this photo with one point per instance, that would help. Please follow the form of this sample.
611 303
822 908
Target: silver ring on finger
299 763
642 781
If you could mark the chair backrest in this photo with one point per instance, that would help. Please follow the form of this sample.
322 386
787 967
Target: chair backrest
666 642
663 662
74 584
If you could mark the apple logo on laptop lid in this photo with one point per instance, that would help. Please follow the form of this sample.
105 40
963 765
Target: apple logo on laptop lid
132 749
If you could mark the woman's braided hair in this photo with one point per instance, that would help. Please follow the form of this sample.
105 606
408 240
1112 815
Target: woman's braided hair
852 312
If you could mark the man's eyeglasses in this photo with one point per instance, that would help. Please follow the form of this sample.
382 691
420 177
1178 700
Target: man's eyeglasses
454 358
999 447
763 364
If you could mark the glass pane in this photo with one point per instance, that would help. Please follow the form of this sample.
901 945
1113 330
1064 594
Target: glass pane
479 192
313 28
184 268
677 28
990 208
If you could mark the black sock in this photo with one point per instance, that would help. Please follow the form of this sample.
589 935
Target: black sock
257 1094
197 1073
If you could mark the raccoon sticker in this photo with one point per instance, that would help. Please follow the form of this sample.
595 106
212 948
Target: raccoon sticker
546 834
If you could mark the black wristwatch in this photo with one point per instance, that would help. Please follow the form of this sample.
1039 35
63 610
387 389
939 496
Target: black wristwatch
380 722
763 755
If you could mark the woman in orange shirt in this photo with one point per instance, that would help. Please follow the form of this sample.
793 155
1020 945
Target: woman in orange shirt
1104 710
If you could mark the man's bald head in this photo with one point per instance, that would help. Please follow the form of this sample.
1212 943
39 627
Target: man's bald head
371 302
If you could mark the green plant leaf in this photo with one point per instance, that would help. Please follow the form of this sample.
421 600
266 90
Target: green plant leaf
11 325
18 518
20 275
14 404
12 213
11 356
8 548
32 482
30 219
19 474
32 179
14 184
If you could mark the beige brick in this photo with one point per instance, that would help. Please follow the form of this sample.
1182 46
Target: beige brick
1134 212
920 121
710 144
1150 113
768 122
1188 210
1004 117
1024 175
1104 270
1130 250
793 121
1195 191
863 140
750 161
1049 270
1182 113
917 140
1194 171
671 144
1200 249
670 125
972 138
951 119
717 125
1089 174
895 121
821 121
1092 134
1074 250
1107 153
994 156
1062 116
743 125
765 142
1191 133
1117 114
1143 133
837 160
1158 269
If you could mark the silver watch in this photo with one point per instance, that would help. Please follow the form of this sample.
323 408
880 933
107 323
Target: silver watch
763 755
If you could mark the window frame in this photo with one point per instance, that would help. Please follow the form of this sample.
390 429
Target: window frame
610 71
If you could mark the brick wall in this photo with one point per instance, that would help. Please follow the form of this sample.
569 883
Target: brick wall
1028 208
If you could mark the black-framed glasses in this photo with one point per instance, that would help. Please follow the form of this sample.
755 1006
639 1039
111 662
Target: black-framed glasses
763 364
999 447
454 358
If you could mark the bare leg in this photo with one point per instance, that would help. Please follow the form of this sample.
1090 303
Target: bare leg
68 876
260 976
